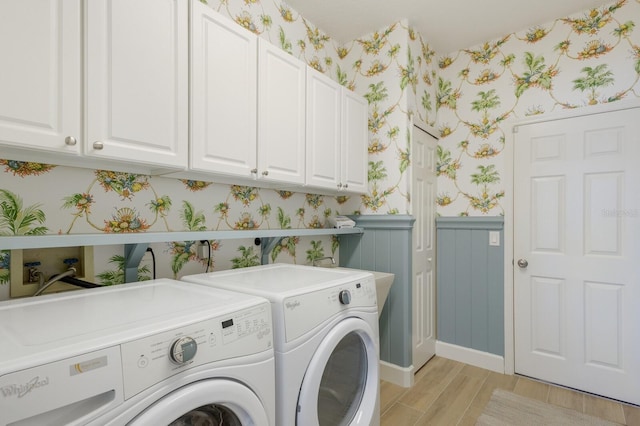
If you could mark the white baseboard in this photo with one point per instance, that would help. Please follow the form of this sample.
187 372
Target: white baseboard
470 356
401 376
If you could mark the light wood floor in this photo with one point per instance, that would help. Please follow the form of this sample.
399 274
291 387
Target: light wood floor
448 392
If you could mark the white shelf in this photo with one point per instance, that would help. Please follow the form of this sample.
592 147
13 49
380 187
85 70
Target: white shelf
68 240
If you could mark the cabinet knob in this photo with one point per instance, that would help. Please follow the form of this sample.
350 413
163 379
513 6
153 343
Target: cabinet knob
70 141
265 173
98 145
339 186
254 171
346 185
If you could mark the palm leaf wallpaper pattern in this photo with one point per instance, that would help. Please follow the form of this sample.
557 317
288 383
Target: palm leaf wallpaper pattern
468 96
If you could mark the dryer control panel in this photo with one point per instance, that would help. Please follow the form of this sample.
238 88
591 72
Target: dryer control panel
153 359
305 311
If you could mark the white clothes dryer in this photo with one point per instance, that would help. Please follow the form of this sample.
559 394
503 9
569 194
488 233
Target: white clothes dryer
152 353
326 340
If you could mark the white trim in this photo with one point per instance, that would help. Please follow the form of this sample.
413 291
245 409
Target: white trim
576 112
509 337
401 376
509 155
470 356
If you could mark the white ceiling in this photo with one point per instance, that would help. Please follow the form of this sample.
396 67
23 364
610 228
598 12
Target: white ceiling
447 26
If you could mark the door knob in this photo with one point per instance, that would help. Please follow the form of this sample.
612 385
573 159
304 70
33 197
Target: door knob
523 263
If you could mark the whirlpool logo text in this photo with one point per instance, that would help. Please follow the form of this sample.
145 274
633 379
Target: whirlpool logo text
292 305
25 388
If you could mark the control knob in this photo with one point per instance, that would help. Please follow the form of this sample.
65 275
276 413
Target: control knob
183 350
345 297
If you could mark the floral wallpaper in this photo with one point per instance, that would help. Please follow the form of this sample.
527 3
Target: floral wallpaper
391 68
589 58
72 200
394 68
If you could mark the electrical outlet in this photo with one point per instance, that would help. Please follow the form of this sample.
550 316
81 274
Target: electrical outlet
202 251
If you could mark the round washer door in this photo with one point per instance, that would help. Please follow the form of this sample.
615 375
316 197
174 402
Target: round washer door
340 386
214 402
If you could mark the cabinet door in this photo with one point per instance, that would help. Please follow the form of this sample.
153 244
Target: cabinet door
323 131
137 81
355 135
281 115
40 47
223 94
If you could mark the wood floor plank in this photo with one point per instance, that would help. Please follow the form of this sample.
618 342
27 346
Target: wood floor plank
566 398
492 382
428 389
604 408
477 372
448 392
452 403
532 389
631 415
400 414
389 394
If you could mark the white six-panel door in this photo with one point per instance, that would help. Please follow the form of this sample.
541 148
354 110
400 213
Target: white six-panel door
577 253
423 196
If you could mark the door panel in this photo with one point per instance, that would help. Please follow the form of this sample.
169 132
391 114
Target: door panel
40 88
137 81
223 98
281 115
423 194
577 221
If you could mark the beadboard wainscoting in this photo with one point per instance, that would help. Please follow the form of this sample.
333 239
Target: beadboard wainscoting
385 246
470 290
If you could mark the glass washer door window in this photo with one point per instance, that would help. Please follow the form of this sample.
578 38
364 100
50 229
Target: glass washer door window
210 415
341 383
198 401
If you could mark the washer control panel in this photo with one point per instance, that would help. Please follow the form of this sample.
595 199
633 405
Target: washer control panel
151 359
305 311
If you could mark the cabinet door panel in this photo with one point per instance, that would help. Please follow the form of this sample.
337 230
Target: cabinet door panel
355 135
223 94
323 131
281 115
137 80
40 101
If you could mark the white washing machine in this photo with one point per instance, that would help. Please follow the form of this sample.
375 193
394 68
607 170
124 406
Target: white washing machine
153 353
326 340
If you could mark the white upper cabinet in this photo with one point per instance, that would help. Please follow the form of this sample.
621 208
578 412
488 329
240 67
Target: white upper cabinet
223 95
355 138
324 105
281 115
133 108
137 81
40 83
337 136
247 104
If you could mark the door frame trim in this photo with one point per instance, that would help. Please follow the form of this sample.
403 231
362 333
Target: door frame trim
511 127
